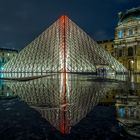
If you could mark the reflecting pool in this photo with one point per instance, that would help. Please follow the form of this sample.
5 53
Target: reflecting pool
71 106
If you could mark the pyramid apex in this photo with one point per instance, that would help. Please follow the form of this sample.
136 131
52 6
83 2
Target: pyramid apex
63 16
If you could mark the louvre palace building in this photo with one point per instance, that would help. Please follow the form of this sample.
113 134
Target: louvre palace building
127 39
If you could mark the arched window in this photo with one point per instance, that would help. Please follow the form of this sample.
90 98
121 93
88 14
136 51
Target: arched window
130 32
120 34
130 51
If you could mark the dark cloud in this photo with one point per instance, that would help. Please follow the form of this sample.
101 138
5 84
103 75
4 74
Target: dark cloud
23 20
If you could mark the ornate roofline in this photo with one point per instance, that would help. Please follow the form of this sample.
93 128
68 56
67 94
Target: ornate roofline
131 12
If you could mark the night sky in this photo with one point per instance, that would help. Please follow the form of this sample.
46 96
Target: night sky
21 21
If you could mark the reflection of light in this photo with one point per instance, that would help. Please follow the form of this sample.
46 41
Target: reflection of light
2 68
8 54
1 75
132 78
7 94
121 112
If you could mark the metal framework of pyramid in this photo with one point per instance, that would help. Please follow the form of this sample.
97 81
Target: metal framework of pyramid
63 47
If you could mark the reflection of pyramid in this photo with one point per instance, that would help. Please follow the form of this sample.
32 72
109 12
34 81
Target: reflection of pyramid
62 108
63 47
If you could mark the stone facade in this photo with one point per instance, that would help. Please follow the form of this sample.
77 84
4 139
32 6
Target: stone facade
108 45
127 39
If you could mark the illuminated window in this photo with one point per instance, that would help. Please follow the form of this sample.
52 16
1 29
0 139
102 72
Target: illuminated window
130 32
120 34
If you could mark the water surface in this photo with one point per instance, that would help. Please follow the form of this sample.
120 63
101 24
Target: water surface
71 106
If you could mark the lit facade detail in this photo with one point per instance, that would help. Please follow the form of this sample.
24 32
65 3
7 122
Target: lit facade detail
63 47
120 34
127 43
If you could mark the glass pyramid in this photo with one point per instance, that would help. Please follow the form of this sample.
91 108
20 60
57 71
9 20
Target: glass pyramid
63 47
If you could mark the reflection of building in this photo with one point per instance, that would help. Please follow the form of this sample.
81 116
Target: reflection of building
108 45
127 39
128 106
5 92
62 106
6 55
128 103
128 112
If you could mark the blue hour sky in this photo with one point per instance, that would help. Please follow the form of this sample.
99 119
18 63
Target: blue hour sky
23 20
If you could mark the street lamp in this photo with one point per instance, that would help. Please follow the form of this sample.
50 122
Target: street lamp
132 61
